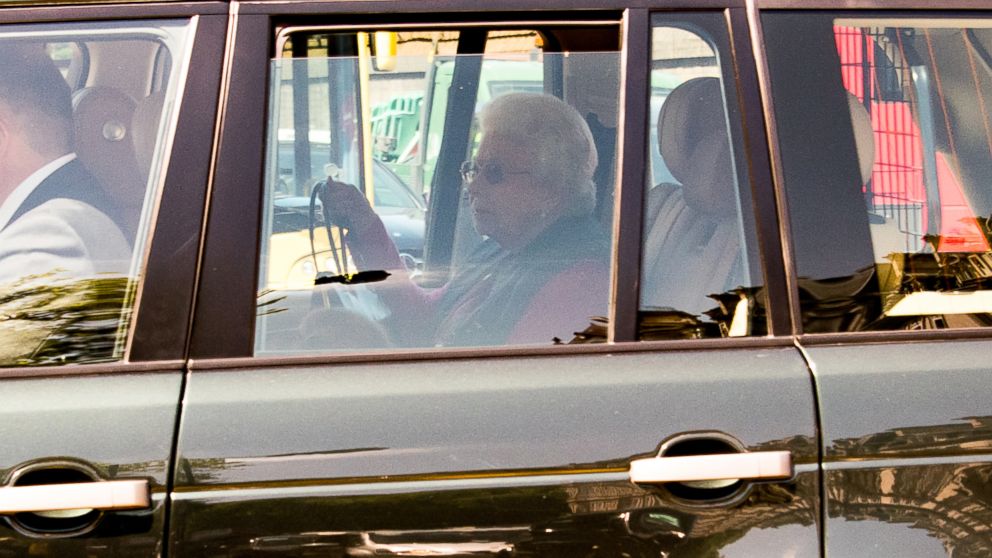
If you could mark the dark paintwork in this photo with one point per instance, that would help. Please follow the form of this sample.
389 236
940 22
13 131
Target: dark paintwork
631 165
119 425
565 519
163 314
119 419
224 324
89 12
767 225
907 443
373 8
431 446
905 426
109 417
414 355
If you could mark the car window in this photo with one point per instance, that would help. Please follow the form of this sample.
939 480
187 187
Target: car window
84 131
408 202
699 276
896 234
391 191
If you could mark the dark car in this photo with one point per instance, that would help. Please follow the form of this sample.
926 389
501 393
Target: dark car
776 348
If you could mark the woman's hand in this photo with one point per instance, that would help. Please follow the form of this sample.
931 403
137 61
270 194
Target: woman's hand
348 207
367 239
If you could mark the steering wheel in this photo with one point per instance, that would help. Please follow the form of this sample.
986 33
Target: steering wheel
338 252
339 249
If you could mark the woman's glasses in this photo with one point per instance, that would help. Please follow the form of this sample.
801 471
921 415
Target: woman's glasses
492 172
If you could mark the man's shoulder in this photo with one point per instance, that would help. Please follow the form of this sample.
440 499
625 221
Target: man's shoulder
62 233
62 239
65 218
65 189
62 212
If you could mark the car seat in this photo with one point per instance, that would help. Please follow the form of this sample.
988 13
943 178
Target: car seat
145 127
102 118
692 234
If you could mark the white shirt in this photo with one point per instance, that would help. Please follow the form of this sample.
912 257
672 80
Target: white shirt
25 188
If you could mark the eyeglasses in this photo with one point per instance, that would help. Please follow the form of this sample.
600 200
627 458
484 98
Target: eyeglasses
492 172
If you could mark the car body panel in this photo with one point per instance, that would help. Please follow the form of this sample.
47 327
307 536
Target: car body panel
499 446
501 452
906 440
116 421
471 452
77 422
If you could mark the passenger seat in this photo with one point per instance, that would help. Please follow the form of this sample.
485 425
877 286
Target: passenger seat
692 241
103 118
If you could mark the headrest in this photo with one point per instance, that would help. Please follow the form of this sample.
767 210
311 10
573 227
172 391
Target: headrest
864 136
102 118
693 141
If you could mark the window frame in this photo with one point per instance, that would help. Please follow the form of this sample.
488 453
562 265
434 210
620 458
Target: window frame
223 328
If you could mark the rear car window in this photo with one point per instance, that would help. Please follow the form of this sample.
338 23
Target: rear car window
699 272
891 221
81 173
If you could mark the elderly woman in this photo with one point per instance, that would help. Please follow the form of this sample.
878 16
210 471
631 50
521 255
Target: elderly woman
543 268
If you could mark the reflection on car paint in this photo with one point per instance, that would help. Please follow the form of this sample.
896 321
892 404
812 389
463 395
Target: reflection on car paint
601 519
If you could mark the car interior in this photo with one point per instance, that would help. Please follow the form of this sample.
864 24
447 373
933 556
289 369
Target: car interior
449 72
121 76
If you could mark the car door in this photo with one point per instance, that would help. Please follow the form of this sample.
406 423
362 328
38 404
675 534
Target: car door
891 241
317 422
92 363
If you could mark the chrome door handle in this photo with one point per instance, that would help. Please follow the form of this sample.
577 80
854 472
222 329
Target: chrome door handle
759 465
97 495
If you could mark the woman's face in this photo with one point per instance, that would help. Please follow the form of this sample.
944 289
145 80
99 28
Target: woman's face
510 204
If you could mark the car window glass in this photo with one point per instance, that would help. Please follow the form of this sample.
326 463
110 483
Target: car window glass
696 276
71 59
84 134
458 228
897 236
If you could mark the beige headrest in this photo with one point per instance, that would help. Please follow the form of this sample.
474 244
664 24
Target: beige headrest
102 118
864 136
693 141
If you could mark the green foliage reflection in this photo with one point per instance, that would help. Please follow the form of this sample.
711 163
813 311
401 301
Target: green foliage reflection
54 322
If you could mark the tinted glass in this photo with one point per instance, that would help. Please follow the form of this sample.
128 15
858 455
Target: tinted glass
698 276
891 221
85 124
510 248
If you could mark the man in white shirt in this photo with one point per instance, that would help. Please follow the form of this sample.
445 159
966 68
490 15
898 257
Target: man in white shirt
59 235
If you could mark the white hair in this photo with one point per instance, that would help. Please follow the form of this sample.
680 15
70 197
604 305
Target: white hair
558 136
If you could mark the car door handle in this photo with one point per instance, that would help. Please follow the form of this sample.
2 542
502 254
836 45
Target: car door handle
98 495
759 465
